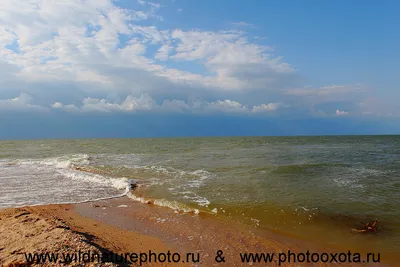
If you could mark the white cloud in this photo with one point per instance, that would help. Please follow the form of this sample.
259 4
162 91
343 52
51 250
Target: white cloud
21 103
57 105
148 104
266 107
144 102
67 108
226 106
237 63
341 112
71 108
163 52
152 4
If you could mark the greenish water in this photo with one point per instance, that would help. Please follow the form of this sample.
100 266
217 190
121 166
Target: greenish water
316 188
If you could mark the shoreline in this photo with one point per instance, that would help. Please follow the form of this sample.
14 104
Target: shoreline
121 225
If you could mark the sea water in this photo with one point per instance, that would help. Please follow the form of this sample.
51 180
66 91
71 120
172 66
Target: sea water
316 188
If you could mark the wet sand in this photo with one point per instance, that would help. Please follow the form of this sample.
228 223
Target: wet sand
125 226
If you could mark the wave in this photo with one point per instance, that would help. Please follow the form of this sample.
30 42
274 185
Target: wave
184 189
180 183
77 167
49 181
67 166
62 162
174 205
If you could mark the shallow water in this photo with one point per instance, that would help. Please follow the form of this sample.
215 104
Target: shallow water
314 188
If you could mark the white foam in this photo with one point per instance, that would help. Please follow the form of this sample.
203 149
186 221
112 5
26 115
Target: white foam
52 181
136 198
183 184
177 207
118 183
65 162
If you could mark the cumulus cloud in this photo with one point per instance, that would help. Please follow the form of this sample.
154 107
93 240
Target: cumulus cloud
226 106
341 112
57 105
237 63
21 103
146 103
266 107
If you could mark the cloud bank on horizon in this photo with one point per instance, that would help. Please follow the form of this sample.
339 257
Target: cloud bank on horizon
104 56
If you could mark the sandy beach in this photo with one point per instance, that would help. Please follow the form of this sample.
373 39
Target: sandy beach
121 226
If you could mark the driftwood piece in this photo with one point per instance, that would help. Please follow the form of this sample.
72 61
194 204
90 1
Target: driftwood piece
368 227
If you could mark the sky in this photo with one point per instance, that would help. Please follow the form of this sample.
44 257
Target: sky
137 68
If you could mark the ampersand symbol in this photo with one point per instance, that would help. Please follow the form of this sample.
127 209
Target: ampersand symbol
219 257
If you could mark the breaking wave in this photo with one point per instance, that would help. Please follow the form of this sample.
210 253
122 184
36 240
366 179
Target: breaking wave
71 179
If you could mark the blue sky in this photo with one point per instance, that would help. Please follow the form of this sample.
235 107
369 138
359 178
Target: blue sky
179 68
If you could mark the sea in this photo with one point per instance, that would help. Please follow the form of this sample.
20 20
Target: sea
314 188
